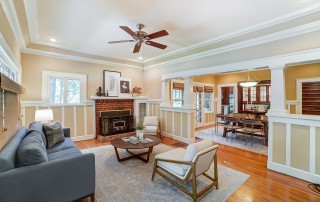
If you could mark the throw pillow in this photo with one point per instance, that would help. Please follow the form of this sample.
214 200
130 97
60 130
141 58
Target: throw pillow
31 150
37 126
54 133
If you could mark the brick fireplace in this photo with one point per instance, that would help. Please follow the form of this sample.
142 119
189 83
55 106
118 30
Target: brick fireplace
102 105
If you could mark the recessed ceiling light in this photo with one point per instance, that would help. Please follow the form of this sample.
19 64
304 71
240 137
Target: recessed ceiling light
52 39
140 58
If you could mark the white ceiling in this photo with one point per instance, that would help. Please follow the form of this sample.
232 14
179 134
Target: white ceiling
86 26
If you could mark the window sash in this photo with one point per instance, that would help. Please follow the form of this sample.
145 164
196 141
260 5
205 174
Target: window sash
65 90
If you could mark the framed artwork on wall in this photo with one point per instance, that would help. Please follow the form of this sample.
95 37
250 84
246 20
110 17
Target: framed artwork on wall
111 83
124 87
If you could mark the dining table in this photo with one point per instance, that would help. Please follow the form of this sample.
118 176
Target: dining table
262 119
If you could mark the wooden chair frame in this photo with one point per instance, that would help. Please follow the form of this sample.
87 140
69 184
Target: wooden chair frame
191 176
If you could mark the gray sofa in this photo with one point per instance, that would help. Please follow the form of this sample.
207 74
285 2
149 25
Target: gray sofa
68 175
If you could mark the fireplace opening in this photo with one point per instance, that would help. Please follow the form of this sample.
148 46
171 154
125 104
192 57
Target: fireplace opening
116 121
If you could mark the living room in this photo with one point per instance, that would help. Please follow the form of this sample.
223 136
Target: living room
175 70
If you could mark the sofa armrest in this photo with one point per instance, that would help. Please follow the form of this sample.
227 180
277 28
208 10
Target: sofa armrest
59 180
66 132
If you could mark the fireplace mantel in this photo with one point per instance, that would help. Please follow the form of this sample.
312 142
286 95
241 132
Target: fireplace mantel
118 98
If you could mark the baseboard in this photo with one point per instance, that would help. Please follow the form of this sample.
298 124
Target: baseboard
84 137
180 139
304 175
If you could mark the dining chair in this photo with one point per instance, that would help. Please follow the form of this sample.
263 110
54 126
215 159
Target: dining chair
253 128
218 122
232 126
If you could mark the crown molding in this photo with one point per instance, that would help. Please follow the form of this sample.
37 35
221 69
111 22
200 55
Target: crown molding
78 58
10 11
285 18
8 56
32 20
303 29
291 59
12 16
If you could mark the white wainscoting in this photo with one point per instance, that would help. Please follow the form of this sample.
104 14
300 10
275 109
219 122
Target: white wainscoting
294 142
83 117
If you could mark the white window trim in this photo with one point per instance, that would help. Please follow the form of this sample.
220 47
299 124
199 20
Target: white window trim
46 75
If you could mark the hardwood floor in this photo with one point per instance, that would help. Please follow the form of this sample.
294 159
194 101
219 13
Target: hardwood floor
262 185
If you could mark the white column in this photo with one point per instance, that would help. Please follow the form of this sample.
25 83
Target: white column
165 93
188 98
278 90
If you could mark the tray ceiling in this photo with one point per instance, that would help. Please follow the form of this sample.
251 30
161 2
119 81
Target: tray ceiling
86 26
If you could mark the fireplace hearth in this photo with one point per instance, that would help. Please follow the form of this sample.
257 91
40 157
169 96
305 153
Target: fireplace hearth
116 121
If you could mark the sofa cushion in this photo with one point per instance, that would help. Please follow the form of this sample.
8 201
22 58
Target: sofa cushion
66 144
194 148
67 153
8 153
54 133
32 150
37 126
175 154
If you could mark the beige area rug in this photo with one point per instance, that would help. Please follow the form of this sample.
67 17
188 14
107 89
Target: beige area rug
237 140
131 180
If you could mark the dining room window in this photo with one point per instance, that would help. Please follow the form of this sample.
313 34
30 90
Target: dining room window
177 97
245 94
253 93
263 93
208 101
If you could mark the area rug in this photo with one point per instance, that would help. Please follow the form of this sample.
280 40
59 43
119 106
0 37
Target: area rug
237 140
131 180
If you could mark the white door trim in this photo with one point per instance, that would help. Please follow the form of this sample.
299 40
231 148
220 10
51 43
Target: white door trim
234 85
299 91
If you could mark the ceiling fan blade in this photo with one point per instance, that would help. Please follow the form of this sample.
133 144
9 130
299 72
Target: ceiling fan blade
122 41
137 48
128 30
158 34
155 44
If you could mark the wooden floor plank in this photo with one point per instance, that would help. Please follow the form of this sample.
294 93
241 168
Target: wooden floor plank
262 185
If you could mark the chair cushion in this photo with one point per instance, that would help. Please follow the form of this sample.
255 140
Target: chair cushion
31 151
8 153
66 144
54 134
175 154
150 121
67 153
151 129
194 148
37 126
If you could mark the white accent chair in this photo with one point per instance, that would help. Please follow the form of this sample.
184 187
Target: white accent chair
187 164
151 124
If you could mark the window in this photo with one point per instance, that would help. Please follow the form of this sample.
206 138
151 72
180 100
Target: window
263 93
208 101
245 94
177 97
63 88
253 93
7 71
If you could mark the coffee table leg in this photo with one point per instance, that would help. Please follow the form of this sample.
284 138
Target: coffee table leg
117 154
149 152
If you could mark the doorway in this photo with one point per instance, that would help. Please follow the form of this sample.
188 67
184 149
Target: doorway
227 98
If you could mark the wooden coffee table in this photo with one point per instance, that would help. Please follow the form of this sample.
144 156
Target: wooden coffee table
119 143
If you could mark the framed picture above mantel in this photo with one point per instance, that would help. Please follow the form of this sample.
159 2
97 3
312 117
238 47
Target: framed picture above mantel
111 83
125 87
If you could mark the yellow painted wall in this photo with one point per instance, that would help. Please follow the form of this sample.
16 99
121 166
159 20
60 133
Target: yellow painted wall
33 65
298 72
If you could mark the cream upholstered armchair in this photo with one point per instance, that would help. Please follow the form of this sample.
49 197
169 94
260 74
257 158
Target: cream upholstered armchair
151 124
186 164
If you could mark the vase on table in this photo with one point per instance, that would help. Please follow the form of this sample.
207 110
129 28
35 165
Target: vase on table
139 134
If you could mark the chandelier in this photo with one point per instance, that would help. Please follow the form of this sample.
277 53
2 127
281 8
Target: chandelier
248 80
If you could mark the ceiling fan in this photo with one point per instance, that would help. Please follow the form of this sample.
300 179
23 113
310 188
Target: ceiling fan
141 37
